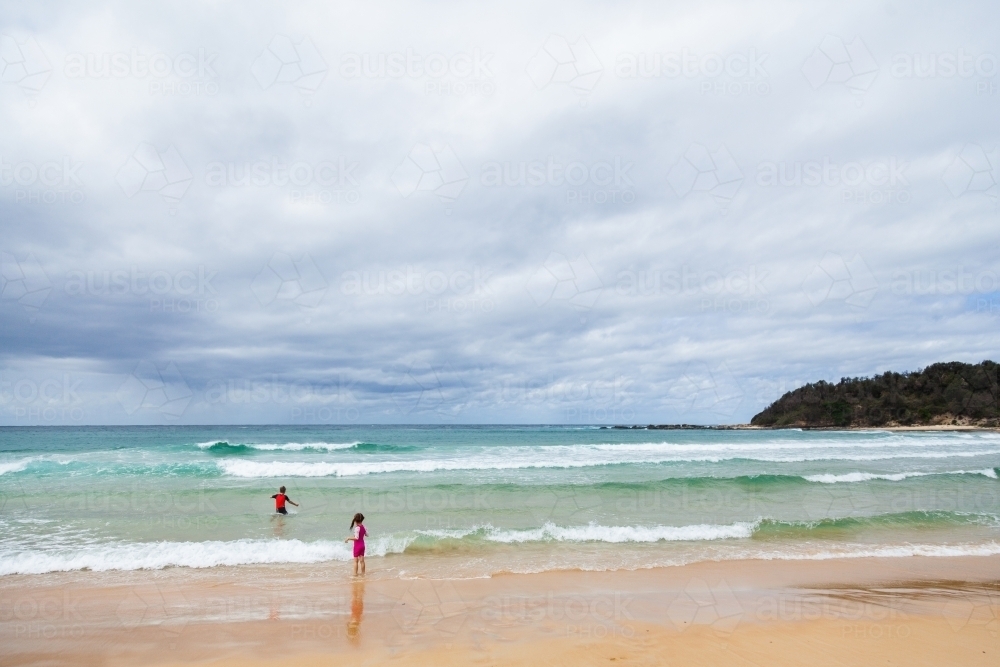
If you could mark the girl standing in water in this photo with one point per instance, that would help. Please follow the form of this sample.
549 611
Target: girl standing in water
358 538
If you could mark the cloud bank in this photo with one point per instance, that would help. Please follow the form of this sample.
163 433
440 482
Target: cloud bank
578 213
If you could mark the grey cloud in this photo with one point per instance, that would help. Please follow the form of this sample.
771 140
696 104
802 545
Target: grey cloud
513 214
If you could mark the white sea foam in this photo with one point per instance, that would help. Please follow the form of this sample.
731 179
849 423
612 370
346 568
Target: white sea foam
158 555
891 477
574 456
847 551
14 466
612 534
887 551
350 469
299 446
287 446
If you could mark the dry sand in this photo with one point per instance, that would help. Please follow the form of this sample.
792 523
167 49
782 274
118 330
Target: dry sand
911 611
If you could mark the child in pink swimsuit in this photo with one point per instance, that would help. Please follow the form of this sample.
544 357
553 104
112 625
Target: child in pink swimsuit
359 541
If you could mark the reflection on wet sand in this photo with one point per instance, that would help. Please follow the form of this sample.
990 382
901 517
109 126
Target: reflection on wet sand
278 525
357 611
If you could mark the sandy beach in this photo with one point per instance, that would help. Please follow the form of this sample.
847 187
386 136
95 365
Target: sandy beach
654 333
500 545
912 611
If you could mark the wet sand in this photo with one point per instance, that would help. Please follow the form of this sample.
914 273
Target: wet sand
913 611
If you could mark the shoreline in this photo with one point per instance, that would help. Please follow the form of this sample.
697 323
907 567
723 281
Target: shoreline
751 427
864 611
638 427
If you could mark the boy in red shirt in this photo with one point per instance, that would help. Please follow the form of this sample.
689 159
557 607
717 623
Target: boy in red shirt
279 501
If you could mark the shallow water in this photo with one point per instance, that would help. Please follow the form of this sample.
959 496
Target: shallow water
472 501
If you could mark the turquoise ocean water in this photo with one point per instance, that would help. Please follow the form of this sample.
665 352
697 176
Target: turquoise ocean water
478 500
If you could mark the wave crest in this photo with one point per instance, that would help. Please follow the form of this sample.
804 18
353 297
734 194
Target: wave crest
830 478
763 531
223 446
593 532
159 555
14 466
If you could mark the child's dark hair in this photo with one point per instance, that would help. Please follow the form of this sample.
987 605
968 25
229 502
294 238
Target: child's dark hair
358 518
281 490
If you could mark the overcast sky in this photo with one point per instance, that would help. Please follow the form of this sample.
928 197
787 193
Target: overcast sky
318 212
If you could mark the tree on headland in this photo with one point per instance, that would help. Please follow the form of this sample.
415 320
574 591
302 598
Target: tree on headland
950 393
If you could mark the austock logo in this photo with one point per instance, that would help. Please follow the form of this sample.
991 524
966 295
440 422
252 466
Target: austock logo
285 278
285 61
41 400
718 74
149 170
559 62
572 281
431 607
834 62
324 182
182 74
48 615
160 604
24 64
834 279
162 390
713 172
604 181
974 170
434 170
701 389
48 182
701 604
25 282
422 389
455 74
